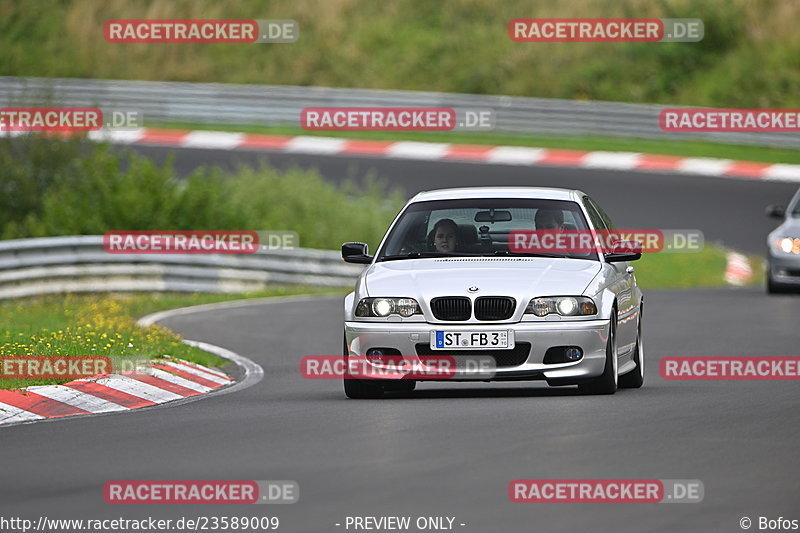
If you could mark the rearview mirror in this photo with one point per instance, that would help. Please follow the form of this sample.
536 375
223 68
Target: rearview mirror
776 211
492 216
356 252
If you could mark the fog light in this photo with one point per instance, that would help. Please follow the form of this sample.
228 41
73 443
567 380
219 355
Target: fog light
374 355
573 354
384 356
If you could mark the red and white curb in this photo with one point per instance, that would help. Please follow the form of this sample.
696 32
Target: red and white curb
428 151
158 382
163 381
738 270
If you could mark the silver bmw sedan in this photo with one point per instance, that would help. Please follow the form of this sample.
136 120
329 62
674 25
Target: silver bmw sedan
456 293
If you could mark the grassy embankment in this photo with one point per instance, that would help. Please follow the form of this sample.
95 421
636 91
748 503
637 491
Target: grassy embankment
105 325
749 56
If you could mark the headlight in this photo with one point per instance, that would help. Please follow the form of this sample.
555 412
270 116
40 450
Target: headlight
562 305
380 307
787 245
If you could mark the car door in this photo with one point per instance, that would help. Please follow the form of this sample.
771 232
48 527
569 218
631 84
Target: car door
622 285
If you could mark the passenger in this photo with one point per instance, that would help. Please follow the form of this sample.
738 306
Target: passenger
445 236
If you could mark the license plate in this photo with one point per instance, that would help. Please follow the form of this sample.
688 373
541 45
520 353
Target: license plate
471 340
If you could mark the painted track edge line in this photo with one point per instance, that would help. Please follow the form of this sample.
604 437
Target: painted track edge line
453 152
252 371
158 316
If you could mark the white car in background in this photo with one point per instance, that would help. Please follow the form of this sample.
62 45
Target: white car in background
566 318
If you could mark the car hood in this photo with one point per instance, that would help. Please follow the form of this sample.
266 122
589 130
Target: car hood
518 277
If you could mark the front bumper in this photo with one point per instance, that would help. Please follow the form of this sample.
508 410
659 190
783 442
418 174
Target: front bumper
785 269
591 336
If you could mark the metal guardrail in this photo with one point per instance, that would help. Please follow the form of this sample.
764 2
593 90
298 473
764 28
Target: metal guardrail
271 105
49 265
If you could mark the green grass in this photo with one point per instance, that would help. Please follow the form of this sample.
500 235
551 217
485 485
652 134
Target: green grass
614 144
105 325
749 57
686 270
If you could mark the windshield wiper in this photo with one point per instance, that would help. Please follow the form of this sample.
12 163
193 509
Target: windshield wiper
506 253
419 255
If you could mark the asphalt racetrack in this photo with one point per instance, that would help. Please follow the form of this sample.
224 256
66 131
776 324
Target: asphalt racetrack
452 449
446 449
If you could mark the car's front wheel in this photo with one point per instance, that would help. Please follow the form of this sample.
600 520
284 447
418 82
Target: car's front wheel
358 389
635 378
607 382
773 287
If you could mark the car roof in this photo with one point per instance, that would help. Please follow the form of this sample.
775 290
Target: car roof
538 193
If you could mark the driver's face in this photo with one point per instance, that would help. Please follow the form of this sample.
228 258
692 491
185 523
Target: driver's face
445 239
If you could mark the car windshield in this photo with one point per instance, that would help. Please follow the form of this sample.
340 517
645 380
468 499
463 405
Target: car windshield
796 207
476 227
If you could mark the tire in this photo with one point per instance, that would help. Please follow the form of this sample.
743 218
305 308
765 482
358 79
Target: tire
635 378
403 385
358 389
607 382
774 287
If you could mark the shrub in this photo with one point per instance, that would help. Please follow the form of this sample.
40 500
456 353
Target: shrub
75 188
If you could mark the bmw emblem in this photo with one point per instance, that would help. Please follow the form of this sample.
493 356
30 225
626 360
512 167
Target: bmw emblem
473 289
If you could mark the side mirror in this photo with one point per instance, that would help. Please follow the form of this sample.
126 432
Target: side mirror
776 211
356 252
624 251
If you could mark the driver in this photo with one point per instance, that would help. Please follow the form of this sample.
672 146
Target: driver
445 236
